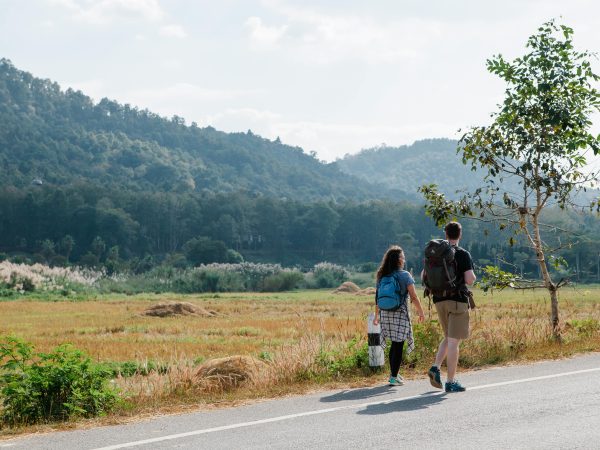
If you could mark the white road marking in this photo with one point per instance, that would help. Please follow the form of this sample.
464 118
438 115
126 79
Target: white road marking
329 410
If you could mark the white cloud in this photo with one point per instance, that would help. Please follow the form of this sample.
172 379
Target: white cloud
189 101
323 38
175 31
238 119
93 88
107 11
172 64
189 92
330 140
262 34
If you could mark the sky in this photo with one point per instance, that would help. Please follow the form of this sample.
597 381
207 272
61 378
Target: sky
332 77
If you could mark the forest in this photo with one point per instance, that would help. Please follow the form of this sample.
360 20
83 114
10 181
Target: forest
134 231
110 185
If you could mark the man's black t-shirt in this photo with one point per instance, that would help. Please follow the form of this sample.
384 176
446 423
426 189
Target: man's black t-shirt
463 264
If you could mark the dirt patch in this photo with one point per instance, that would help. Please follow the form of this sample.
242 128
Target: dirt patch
232 371
171 309
367 291
347 287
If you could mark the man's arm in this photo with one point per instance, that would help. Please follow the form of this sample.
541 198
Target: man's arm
469 274
470 277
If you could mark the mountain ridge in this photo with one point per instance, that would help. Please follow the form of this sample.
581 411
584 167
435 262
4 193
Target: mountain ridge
60 137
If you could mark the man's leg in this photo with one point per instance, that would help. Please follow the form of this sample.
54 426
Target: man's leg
441 354
452 361
435 377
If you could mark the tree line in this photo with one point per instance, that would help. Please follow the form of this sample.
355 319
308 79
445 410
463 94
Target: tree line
89 225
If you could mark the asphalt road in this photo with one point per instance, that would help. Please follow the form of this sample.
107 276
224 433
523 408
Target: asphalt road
548 405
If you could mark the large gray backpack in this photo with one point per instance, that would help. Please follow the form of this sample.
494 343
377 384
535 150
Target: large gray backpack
440 266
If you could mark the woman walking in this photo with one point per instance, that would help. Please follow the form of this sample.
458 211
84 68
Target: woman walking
396 325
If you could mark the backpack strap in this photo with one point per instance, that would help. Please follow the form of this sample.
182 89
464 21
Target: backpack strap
399 284
450 280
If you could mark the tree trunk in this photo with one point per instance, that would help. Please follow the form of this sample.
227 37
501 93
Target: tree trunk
547 279
554 307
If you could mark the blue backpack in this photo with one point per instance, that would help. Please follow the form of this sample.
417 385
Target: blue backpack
389 297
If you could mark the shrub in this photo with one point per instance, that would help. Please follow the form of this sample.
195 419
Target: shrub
202 250
20 283
130 368
234 257
37 277
286 280
89 260
427 337
58 261
327 275
216 277
585 327
176 260
354 359
368 267
207 279
40 387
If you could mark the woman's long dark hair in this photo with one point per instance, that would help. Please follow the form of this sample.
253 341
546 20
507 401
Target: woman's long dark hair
391 261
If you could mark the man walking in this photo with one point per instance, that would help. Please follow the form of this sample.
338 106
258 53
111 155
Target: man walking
453 310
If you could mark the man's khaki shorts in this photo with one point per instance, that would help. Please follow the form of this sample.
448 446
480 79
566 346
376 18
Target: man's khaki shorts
454 318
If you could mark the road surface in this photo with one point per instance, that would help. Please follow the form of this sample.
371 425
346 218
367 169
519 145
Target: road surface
548 405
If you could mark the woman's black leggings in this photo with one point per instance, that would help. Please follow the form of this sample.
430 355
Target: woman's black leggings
396 357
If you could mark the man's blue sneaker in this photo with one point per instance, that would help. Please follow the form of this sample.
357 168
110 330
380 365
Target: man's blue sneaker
455 386
435 377
396 381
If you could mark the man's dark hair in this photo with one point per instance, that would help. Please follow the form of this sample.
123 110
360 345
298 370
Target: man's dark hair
453 230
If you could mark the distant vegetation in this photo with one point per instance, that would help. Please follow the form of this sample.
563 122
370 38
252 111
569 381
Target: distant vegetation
111 187
61 138
409 166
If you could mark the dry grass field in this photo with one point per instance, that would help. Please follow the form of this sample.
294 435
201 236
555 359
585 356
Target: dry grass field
113 328
302 339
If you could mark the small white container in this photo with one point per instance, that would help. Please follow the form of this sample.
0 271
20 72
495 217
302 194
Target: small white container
376 356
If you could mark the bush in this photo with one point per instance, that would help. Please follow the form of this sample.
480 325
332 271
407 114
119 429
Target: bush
427 337
368 267
286 280
41 387
328 275
176 260
89 260
130 368
354 359
234 257
58 261
208 279
20 283
203 250
585 327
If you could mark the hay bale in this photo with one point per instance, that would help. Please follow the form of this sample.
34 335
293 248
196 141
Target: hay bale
232 371
347 287
367 291
170 309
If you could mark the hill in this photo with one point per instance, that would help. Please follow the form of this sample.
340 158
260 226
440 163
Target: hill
61 137
410 166
425 162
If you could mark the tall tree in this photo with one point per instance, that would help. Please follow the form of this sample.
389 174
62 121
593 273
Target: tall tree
540 137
